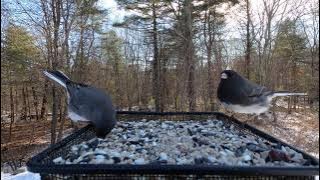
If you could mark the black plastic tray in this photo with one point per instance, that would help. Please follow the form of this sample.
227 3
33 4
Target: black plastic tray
43 164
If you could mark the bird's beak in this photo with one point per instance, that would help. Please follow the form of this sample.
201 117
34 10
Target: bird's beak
224 76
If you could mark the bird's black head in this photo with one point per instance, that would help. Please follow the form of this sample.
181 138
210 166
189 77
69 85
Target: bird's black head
102 132
229 85
228 74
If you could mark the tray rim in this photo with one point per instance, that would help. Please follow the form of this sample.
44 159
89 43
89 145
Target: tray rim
34 164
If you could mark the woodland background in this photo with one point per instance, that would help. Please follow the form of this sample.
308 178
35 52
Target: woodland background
164 55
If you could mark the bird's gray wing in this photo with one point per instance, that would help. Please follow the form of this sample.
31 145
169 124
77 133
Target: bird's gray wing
252 94
92 104
84 101
252 90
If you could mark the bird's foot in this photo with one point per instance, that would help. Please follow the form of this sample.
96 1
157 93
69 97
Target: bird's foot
274 117
232 115
229 113
271 115
75 126
256 119
253 119
247 120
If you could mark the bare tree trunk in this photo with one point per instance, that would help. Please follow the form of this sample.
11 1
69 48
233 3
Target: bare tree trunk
67 24
31 116
12 113
16 101
79 57
56 7
24 100
79 64
248 41
35 102
211 85
54 116
60 131
156 63
119 94
178 92
209 33
43 114
129 99
145 82
189 54
163 82
28 103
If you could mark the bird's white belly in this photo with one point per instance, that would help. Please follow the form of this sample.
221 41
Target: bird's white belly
75 117
253 109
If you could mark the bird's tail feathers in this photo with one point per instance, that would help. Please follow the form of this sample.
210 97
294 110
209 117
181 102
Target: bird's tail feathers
58 77
286 93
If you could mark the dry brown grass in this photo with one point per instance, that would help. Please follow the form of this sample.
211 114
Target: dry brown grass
300 128
28 138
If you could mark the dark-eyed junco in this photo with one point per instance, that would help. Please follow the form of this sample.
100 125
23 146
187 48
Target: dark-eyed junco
243 96
86 103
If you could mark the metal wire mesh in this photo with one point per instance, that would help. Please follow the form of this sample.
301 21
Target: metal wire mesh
42 163
169 177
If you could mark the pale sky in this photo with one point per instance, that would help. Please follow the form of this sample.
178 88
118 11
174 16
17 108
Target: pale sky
232 25
116 14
